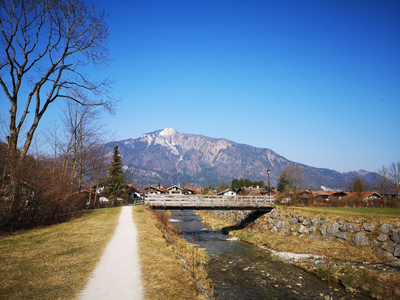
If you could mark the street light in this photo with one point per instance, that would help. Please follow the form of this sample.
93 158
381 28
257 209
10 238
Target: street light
269 189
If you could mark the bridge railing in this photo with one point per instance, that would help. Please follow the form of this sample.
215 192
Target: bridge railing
209 201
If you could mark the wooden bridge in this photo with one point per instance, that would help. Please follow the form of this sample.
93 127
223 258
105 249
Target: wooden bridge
210 202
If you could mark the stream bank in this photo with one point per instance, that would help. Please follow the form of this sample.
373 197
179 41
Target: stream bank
240 270
357 269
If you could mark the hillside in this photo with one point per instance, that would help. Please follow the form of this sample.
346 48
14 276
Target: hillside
169 156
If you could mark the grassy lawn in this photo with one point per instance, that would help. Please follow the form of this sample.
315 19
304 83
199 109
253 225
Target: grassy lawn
163 272
349 211
55 262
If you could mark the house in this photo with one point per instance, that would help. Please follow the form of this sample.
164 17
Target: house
366 196
134 192
152 190
228 192
175 190
190 191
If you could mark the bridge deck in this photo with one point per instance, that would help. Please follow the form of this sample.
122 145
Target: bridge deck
206 202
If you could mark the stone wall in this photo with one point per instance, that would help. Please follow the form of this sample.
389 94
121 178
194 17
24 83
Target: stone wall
384 238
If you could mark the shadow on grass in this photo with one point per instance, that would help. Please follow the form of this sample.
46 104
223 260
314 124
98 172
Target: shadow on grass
243 224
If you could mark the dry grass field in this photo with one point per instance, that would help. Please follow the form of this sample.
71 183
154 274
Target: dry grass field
163 273
54 262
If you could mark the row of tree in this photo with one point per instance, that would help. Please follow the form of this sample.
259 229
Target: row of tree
239 183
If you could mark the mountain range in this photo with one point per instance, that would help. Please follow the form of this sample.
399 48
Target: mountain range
169 156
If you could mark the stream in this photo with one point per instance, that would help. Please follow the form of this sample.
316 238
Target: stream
240 270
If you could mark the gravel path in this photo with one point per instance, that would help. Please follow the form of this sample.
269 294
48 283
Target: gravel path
117 276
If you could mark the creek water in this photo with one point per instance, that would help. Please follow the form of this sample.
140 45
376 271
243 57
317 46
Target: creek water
240 270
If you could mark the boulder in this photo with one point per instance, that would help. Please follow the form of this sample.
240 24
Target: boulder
385 228
340 222
369 227
396 251
382 238
315 222
303 230
293 221
322 229
374 243
386 254
273 215
312 229
332 229
395 235
360 239
342 236
389 247
306 222
300 219
395 264
274 229
349 228
295 216
280 224
397 224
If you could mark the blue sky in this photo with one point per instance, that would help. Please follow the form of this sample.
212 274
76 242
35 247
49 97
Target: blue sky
315 81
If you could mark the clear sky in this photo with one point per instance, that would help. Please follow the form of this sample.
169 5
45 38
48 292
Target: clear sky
315 81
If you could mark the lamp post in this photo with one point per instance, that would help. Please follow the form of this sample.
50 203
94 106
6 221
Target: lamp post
269 189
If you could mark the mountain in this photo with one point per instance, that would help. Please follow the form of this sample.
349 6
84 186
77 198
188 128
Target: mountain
169 156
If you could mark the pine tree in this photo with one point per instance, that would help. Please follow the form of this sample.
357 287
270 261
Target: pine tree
116 184
283 182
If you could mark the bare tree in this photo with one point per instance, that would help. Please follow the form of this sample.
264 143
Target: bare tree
382 181
295 176
394 176
45 45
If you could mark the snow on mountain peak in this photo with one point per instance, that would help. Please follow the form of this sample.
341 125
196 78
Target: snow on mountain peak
168 132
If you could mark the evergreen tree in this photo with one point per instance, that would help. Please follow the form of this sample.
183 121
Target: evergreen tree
116 184
283 182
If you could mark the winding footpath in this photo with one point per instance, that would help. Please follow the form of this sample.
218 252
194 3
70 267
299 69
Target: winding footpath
117 275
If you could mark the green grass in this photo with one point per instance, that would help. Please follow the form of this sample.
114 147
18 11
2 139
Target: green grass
363 212
54 262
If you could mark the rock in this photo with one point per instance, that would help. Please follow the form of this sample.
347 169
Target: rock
315 222
295 216
396 251
274 229
395 235
394 264
360 239
293 221
313 237
386 254
327 239
382 238
349 228
333 229
300 219
294 233
312 229
322 229
342 236
292 228
279 224
283 232
340 222
306 222
389 247
369 227
385 228
270 220
273 215
303 230
397 224
374 243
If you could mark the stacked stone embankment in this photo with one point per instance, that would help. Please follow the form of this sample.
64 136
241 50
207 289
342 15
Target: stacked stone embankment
383 238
